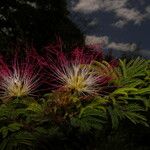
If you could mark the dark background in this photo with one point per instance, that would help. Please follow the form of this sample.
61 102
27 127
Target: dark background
36 23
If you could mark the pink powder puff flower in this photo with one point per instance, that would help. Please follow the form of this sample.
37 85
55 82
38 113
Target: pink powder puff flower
19 78
74 72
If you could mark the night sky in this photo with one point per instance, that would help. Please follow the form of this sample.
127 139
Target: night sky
120 25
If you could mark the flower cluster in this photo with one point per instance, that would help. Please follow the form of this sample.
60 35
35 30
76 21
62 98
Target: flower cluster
68 72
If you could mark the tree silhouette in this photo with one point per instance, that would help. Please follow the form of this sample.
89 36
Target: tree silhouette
36 22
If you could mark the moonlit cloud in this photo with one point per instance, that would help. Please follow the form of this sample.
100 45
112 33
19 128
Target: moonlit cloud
110 23
120 23
130 15
88 6
122 46
148 9
84 6
119 8
105 42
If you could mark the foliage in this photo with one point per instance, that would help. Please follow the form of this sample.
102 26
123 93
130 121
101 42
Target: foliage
67 117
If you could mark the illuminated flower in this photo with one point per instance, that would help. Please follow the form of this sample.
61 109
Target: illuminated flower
78 78
73 72
19 78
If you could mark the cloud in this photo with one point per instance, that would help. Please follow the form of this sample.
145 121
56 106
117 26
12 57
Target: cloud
120 9
122 46
89 6
103 40
119 48
130 15
84 6
106 43
93 22
120 23
148 11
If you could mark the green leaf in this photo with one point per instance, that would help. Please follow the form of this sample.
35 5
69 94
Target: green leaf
14 126
115 116
4 143
134 108
136 118
4 131
130 72
89 118
123 91
35 107
142 91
